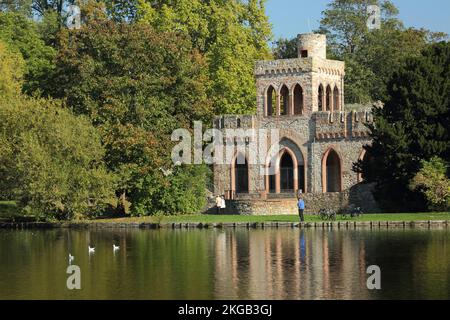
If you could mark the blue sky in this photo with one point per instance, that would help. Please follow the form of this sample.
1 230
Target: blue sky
290 17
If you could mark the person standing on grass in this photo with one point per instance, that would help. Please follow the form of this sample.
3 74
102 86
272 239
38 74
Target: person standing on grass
301 208
218 203
223 205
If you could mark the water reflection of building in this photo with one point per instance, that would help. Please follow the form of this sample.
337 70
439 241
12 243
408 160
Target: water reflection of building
226 271
289 264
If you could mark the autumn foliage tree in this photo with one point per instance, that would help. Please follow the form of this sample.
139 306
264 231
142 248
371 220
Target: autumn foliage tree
137 85
51 162
232 35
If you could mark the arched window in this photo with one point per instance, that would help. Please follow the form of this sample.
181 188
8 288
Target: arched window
336 104
328 99
271 101
284 101
241 175
298 99
331 172
320 98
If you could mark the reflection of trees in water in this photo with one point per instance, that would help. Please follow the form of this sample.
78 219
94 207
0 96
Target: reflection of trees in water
434 260
415 264
225 264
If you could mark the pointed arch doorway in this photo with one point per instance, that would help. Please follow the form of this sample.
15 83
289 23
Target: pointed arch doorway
331 172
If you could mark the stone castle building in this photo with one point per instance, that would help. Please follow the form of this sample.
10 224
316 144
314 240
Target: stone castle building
319 139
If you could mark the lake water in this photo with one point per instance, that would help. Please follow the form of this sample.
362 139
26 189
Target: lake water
225 264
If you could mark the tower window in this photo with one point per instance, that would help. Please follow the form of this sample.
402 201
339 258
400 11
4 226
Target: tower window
304 53
271 101
336 105
328 100
284 102
298 99
320 97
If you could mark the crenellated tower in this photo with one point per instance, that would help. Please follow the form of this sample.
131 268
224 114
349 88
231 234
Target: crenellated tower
301 86
302 100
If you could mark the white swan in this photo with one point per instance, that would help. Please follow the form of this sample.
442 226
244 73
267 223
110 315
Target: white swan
91 249
115 248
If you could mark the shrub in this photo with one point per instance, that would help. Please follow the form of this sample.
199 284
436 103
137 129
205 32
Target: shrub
434 183
51 161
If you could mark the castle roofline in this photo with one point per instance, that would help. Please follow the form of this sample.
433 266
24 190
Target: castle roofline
298 65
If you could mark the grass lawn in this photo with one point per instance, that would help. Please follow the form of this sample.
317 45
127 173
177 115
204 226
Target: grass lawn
294 218
8 210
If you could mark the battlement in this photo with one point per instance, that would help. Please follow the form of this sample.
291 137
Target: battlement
303 85
312 57
333 125
234 122
290 67
359 121
328 125
283 66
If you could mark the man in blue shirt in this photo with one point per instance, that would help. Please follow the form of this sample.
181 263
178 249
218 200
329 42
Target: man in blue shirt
301 208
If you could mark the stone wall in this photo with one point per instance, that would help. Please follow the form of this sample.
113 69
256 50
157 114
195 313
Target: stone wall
358 196
344 132
314 44
330 125
348 151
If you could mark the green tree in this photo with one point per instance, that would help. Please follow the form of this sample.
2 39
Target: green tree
118 10
384 50
412 126
232 35
137 85
358 81
121 10
432 180
345 23
371 56
11 71
285 49
51 162
182 191
370 53
17 6
21 34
